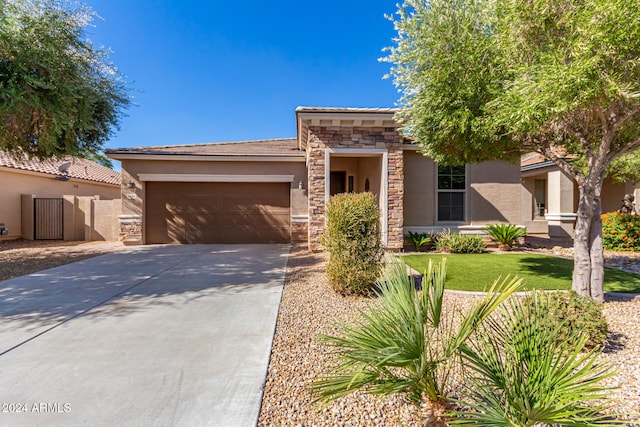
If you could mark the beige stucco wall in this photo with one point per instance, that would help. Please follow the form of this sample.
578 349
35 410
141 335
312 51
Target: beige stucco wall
493 192
419 189
13 184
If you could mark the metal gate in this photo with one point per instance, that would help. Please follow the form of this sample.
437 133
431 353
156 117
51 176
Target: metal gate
48 219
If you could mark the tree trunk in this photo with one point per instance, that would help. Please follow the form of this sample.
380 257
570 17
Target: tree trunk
588 269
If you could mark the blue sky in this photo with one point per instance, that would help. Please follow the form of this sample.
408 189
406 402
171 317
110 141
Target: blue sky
207 71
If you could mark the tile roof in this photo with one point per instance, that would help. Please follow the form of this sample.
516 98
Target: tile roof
264 147
79 168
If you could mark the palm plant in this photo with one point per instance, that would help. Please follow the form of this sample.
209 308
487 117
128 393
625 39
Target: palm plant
522 375
404 344
505 234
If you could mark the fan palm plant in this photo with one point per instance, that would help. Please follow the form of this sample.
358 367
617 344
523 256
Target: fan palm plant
520 374
406 344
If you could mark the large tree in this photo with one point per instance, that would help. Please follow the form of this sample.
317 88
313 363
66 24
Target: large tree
490 79
58 93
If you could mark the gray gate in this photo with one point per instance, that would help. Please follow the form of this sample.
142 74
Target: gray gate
48 219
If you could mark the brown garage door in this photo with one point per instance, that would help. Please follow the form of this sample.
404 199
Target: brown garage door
213 212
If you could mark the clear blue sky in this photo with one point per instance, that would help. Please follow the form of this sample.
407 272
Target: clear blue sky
207 71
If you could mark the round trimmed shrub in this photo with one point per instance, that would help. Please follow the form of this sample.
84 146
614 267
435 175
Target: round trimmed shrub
352 238
621 231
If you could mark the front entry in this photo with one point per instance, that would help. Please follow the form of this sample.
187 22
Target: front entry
338 182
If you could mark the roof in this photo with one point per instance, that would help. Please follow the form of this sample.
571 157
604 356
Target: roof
264 147
346 110
79 168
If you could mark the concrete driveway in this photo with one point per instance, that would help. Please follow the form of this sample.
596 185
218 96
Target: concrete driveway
150 336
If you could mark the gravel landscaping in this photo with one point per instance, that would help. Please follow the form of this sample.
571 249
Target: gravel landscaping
309 307
20 257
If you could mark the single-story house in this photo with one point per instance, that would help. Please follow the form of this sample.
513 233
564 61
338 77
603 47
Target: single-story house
52 199
550 197
276 190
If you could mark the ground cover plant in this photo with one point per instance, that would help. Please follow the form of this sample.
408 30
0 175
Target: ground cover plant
537 271
459 243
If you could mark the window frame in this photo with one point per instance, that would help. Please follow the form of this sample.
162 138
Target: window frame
464 192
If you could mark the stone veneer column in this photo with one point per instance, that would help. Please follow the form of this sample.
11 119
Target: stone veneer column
315 166
395 200
320 138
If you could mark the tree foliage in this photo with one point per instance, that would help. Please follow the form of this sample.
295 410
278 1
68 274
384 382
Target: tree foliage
490 79
58 93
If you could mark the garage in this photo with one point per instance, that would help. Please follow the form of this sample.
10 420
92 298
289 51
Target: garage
217 212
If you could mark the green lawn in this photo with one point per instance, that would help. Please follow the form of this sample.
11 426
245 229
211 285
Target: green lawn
474 272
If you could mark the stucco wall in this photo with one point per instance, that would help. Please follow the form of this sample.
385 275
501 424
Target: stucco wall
15 183
493 192
419 189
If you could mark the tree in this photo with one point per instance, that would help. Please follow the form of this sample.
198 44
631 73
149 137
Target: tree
58 94
490 79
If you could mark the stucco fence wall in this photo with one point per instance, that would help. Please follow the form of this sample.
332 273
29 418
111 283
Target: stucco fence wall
85 218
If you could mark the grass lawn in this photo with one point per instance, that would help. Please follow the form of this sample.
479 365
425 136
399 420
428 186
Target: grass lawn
474 272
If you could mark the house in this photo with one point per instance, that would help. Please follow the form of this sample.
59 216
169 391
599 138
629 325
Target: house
276 190
550 197
57 199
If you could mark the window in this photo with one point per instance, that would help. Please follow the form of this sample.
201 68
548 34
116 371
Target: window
452 183
539 197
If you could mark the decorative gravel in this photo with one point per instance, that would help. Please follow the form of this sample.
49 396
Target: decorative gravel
309 307
20 257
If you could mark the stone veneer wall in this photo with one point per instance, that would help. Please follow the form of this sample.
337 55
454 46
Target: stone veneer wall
322 137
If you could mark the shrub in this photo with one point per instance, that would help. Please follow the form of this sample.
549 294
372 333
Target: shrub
505 234
352 238
418 240
459 243
524 374
406 344
578 315
620 231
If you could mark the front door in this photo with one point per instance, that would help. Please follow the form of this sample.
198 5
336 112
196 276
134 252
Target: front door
337 182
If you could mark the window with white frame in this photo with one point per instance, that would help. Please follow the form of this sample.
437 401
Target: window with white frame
452 184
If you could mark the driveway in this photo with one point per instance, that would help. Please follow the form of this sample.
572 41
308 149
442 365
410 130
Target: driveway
154 335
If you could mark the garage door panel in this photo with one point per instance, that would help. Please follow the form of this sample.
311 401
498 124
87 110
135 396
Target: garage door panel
217 212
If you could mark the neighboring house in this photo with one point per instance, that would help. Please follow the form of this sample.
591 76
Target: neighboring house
276 190
550 197
64 189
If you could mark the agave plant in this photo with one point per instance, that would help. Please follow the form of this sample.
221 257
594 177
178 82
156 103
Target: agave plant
522 375
505 234
404 344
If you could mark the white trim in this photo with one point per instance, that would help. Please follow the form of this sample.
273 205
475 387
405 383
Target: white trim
193 177
130 219
299 218
562 216
207 158
363 152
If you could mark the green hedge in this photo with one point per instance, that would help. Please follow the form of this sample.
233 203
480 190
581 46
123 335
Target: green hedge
352 238
620 231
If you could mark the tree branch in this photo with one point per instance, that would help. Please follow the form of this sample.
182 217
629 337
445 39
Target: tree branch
624 150
562 164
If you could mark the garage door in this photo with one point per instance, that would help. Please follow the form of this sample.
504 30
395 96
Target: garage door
213 212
